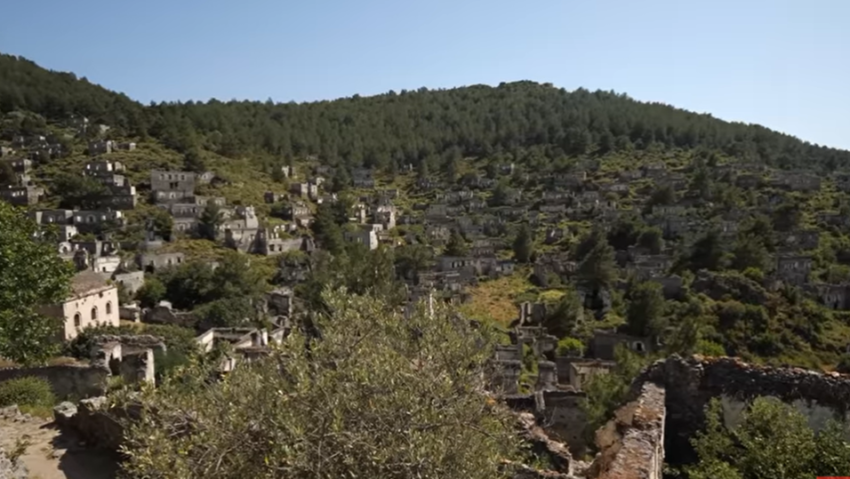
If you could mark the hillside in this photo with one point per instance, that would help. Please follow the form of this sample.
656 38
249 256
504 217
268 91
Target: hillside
415 127
673 194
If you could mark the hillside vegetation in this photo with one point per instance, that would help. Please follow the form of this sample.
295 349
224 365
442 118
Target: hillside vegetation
409 127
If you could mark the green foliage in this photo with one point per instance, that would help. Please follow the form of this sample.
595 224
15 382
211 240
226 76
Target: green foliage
412 259
606 392
151 293
7 174
78 192
645 314
358 270
31 276
749 252
651 239
226 312
326 228
161 222
360 402
456 246
26 391
570 347
565 317
707 252
597 269
381 127
209 222
772 440
523 244
192 161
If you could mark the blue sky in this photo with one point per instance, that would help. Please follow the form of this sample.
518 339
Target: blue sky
780 63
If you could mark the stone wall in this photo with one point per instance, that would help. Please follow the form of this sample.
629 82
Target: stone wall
632 444
67 381
692 382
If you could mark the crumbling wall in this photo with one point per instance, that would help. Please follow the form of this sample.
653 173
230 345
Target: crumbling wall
632 444
68 380
692 382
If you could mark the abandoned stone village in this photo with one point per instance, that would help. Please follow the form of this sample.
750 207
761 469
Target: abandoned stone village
667 400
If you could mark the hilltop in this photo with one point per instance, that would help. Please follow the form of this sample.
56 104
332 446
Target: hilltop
409 127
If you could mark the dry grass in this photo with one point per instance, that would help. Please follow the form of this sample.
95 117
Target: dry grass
495 300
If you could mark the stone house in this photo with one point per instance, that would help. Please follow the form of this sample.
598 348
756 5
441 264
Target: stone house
6 151
454 197
629 175
132 281
304 190
173 181
569 179
480 182
475 204
483 248
554 234
553 209
556 264
385 216
799 181
101 147
834 296
603 344
801 239
49 217
794 269
297 210
269 242
427 184
152 262
125 146
280 301
91 221
19 165
92 302
654 170
240 231
26 195
437 210
367 236
576 371
842 182
748 181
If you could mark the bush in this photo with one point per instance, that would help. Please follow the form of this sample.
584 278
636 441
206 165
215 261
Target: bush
570 347
26 391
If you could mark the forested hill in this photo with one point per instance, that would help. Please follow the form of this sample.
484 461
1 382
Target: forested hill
410 126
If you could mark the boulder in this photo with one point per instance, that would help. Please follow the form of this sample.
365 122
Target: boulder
64 414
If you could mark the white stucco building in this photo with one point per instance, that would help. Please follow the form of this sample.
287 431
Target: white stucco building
92 302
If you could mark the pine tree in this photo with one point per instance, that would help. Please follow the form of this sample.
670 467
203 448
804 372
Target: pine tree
523 244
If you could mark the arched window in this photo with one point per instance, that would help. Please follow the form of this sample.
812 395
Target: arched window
91 219
94 314
77 320
109 309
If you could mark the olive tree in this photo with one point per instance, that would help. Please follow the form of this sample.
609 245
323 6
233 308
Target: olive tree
369 394
31 275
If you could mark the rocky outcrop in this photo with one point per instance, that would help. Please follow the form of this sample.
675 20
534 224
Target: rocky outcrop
11 470
93 420
557 453
632 444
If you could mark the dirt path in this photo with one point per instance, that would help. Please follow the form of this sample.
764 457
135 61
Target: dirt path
52 454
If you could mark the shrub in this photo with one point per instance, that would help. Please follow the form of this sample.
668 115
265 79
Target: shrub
26 391
570 347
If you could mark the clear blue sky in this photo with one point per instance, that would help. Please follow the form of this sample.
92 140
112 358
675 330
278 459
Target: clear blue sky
781 63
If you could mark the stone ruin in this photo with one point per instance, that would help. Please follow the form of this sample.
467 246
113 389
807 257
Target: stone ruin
664 409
